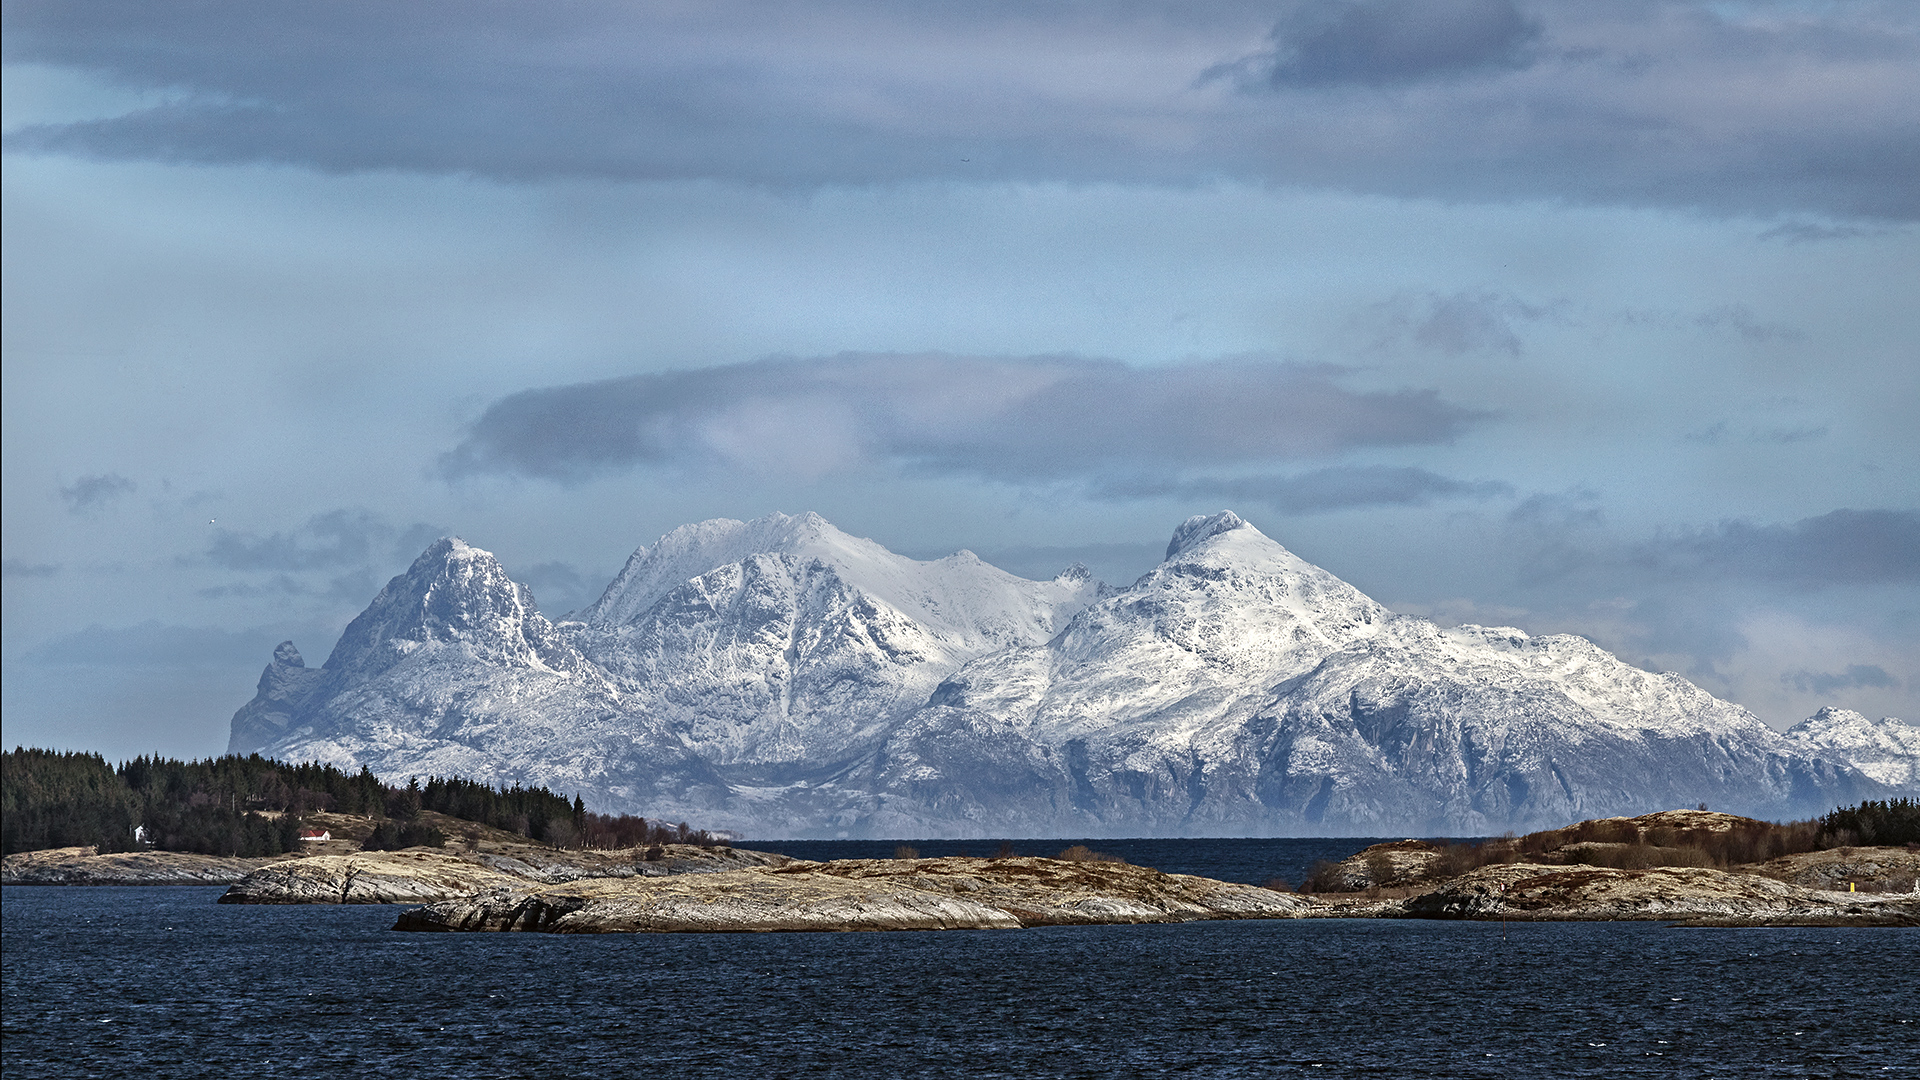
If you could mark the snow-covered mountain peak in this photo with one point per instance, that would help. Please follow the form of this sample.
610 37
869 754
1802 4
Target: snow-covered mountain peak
1887 749
1229 605
1202 527
692 550
958 596
453 593
1225 541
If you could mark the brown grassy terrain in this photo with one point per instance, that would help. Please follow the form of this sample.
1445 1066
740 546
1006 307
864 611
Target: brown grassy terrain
1669 838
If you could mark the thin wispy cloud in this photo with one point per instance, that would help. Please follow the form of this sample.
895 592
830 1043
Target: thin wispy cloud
1339 488
1856 676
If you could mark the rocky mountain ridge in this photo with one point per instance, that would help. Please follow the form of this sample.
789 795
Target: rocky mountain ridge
783 679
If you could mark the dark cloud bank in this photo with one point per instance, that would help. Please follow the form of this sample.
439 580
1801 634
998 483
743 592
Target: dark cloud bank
1756 107
1845 547
1123 432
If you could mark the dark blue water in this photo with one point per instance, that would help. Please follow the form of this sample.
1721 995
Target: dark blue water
162 982
1250 862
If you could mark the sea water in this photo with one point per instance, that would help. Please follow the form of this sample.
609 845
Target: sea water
163 982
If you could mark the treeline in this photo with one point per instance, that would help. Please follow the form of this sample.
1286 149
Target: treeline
539 814
54 799
1623 844
1874 824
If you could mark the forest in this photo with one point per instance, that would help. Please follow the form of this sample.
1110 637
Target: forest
253 806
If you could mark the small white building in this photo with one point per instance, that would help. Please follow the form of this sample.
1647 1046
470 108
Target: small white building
308 836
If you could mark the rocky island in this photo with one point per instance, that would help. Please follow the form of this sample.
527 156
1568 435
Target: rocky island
952 893
1656 867
424 875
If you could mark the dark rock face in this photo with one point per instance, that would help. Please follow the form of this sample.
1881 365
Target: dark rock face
284 688
780 678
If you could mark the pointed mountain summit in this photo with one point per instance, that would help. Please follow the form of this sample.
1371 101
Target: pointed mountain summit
453 596
782 678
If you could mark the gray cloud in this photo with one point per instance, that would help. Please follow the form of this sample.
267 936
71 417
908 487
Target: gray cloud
1845 547
1338 488
1744 322
1453 324
94 492
1807 232
1022 420
1720 431
561 587
1384 42
1761 107
24 569
1856 677
329 541
1559 538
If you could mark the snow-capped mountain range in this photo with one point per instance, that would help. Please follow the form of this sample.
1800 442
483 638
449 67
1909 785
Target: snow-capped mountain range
781 678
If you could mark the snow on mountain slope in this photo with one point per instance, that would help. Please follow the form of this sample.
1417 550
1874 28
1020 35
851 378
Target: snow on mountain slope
1474 730
781 678
958 599
1887 750
805 642
1239 690
1228 613
795 655
453 670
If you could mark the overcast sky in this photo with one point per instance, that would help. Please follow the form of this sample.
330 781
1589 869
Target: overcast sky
1589 317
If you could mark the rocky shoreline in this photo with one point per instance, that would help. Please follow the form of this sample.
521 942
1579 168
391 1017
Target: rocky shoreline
86 866
1565 875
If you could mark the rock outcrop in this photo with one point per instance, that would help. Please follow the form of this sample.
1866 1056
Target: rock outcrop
423 875
85 866
1687 895
415 876
871 894
1879 869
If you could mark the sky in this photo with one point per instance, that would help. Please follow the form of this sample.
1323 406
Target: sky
1582 317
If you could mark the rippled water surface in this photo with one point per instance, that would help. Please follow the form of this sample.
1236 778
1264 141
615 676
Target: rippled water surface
163 982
